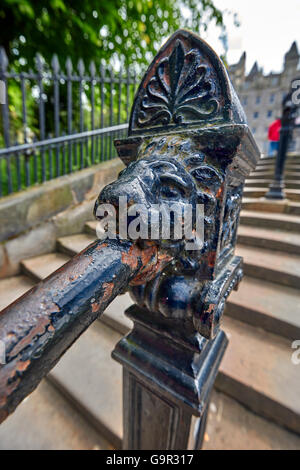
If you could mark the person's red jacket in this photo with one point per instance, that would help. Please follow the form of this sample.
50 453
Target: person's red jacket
274 131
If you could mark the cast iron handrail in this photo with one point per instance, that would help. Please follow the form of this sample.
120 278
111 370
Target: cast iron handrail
42 324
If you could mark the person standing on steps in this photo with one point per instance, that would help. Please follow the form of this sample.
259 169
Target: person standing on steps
274 136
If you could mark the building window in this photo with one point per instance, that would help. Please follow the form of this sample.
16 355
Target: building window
254 130
256 114
245 100
257 100
269 113
272 97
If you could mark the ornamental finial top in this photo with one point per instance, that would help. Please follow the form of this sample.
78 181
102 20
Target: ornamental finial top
185 85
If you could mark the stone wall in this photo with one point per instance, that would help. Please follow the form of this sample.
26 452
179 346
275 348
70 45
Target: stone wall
32 220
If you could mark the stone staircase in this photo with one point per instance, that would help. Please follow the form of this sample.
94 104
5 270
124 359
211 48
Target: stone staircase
256 401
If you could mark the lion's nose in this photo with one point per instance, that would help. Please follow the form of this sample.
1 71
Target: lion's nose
123 192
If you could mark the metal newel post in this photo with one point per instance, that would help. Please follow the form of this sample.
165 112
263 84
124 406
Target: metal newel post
276 188
189 145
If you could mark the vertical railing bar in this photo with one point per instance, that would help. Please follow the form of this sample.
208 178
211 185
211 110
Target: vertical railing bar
81 73
86 141
55 67
106 146
27 169
127 92
8 171
63 157
70 156
35 163
120 94
75 154
69 68
92 72
39 66
50 155
102 77
111 108
5 108
24 110
18 167
134 83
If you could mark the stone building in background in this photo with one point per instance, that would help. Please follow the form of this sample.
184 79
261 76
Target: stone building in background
261 95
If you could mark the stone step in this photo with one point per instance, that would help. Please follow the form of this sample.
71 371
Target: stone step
290 223
93 382
257 371
270 168
264 183
291 194
290 156
40 267
271 161
90 227
114 316
266 305
73 244
272 206
270 238
292 175
280 268
231 426
12 288
46 421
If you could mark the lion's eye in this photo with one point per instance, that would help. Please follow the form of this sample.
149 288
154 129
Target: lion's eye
169 192
205 174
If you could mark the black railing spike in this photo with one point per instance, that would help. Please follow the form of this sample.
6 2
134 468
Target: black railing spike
92 69
3 60
55 64
81 67
69 66
39 60
5 109
102 70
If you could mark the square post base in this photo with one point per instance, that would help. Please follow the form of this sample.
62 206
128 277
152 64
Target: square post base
167 381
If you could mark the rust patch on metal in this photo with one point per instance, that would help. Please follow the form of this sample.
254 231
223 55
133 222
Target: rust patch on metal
39 329
108 289
95 307
23 366
150 271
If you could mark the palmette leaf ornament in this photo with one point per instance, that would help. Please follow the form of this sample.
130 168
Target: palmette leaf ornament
180 90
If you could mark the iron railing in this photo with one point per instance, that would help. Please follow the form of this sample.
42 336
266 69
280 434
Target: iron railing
51 103
39 161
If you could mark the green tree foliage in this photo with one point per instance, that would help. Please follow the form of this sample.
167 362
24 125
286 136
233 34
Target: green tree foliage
93 29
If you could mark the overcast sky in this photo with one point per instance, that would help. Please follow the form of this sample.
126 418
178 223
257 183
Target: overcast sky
268 27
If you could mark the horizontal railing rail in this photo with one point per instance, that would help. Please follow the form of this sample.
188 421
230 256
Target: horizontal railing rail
63 139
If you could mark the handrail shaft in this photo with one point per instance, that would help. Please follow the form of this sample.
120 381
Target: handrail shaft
40 326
